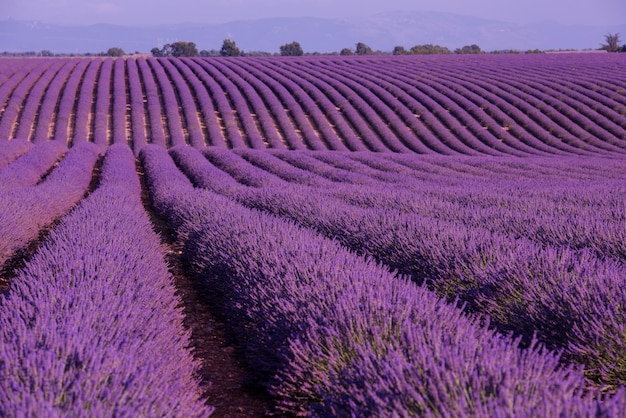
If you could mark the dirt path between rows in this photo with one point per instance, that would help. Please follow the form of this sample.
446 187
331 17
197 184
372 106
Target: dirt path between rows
223 374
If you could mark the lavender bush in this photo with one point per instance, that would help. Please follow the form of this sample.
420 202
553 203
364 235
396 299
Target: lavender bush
526 287
341 334
26 211
31 166
11 150
92 326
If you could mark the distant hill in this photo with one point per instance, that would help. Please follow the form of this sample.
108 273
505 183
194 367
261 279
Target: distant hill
381 32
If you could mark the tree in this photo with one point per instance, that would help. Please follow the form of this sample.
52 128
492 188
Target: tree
115 52
292 49
468 49
230 49
612 42
177 49
346 51
362 49
429 49
399 50
183 49
166 51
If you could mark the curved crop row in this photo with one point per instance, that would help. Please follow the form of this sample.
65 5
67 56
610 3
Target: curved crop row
11 77
83 117
301 129
47 116
542 109
91 326
27 210
29 168
528 126
560 122
188 104
241 105
483 105
13 108
466 109
223 108
262 100
12 150
323 97
38 103
211 130
322 132
353 111
169 104
138 126
152 99
102 116
391 109
589 103
337 335
569 298
63 126
119 100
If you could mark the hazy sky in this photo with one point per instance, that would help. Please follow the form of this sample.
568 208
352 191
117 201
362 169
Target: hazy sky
133 12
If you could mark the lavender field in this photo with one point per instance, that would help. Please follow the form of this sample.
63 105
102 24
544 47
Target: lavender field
379 236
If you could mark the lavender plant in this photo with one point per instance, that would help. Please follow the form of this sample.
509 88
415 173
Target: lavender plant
524 286
92 325
28 169
336 334
172 121
12 150
26 211
83 128
37 103
67 102
103 104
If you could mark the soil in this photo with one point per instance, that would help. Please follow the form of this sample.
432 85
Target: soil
223 374
11 267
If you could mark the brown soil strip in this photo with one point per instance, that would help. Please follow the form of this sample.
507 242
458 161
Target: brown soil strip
316 130
203 127
11 267
222 373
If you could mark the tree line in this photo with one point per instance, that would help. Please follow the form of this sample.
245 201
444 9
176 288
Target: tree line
613 43
230 49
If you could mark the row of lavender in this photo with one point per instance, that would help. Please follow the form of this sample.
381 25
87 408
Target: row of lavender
329 331
526 104
29 206
544 262
493 105
581 207
91 325
334 334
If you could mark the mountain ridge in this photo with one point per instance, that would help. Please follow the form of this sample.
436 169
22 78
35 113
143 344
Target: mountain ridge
382 32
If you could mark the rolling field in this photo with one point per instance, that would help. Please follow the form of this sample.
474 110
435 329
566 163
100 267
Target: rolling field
369 236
